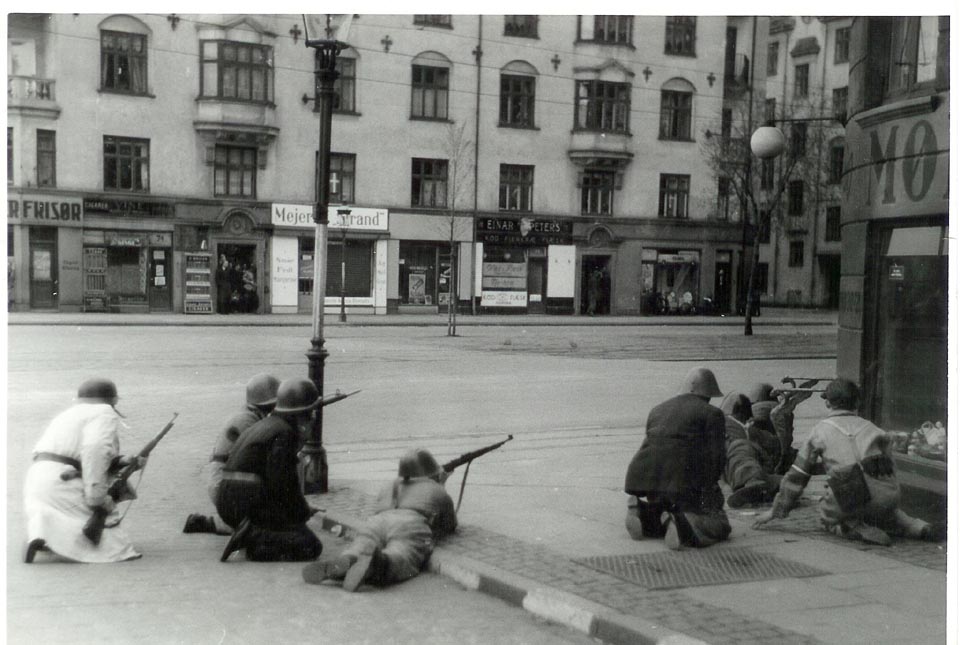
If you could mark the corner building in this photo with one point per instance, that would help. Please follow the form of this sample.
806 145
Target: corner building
515 164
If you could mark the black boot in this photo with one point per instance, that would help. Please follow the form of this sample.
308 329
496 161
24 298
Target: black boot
235 543
32 547
197 523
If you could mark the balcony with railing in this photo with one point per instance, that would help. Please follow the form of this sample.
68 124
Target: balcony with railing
32 96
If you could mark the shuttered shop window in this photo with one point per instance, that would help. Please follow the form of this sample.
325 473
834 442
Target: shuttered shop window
359 264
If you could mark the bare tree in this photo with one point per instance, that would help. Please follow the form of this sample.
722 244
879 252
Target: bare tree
759 185
458 148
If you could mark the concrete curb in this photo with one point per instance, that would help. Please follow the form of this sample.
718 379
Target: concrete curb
590 618
582 615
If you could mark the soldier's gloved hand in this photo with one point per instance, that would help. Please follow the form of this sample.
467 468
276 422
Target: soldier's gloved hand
128 460
443 476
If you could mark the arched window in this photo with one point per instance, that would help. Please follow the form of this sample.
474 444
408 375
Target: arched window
518 83
123 55
430 86
676 110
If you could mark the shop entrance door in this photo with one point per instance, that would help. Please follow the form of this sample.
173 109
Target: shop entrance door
241 278
721 287
43 268
158 289
537 285
595 285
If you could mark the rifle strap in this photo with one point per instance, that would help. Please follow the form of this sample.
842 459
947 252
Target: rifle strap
127 509
463 482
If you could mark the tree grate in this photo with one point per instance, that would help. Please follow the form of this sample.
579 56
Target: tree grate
696 568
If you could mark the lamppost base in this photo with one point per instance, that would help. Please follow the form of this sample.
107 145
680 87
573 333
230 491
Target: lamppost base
313 461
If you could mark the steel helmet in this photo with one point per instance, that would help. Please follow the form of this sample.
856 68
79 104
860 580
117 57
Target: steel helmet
99 389
296 395
702 382
418 463
761 392
737 405
262 390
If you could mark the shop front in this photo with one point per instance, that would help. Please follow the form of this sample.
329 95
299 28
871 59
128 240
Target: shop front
355 259
670 280
894 277
127 255
525 265
44 251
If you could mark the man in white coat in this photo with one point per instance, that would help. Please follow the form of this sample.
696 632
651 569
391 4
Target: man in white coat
70 476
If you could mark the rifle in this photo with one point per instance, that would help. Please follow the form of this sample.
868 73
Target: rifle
336 396
119 490
467 458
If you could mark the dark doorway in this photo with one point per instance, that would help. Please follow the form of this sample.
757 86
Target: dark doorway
830 272
537 285
158 280
721 286
238 278
595 285
43 268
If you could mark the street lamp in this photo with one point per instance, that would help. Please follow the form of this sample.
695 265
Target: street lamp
315 472
344 214
766 142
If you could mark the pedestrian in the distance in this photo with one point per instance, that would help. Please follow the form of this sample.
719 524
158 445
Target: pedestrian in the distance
260 495
675 475
261 396
413 512
70 477
853 506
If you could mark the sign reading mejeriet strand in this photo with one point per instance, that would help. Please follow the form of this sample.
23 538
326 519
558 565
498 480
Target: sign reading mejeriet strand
356 219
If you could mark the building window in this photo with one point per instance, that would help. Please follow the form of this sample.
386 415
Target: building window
429 183
343 168
675 113
520 26
235 172
773 58
344 88
237 71
836 162
438 20
611 30
764 227
123 62
681 36
596 192
766 174
726 124
126 164
517 94
801 80
674 196
770 111
9 155
46 158
603 106
795 197
430 86
913 52
516 188
723 198
798 139
832 232
840 104
841 52
796 253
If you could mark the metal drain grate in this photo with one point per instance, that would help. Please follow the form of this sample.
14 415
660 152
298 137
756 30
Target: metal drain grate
698 568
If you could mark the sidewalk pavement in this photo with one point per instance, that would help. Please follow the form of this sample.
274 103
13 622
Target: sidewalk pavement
770 316
789 583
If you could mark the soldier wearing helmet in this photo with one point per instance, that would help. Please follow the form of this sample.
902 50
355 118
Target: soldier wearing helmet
70 477
840 443
261 396
674 476
260 495
413 512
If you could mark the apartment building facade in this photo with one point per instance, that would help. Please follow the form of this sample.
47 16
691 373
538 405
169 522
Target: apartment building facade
524 158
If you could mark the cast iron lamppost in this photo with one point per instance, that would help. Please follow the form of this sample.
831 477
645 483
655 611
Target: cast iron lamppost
315 471
766 143
344 214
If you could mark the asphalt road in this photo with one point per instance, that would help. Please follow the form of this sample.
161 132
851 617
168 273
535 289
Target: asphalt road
575 399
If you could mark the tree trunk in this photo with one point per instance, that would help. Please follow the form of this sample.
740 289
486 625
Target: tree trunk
748 314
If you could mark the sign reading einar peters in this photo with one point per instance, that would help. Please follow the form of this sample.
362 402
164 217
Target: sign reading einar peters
358 219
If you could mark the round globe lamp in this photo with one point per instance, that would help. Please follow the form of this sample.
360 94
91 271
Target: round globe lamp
767 142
